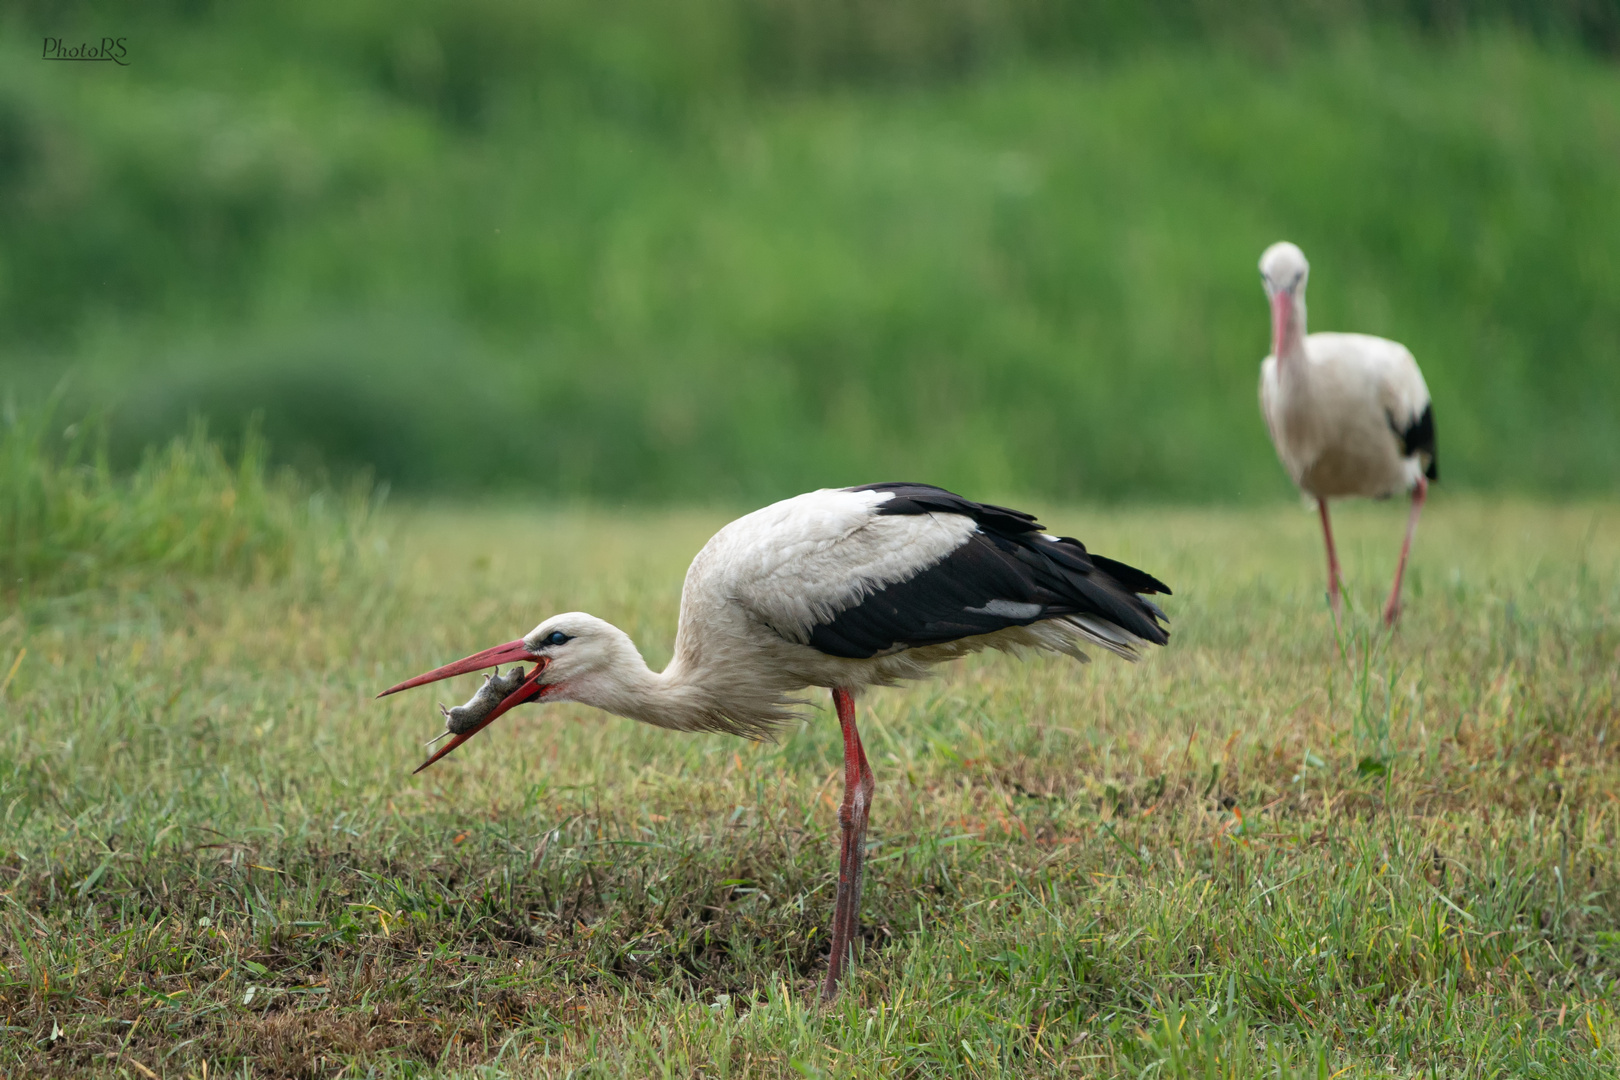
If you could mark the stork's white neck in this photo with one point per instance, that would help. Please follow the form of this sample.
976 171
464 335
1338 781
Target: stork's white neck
628 687
708 686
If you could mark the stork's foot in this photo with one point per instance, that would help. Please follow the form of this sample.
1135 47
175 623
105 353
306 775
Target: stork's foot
1392 612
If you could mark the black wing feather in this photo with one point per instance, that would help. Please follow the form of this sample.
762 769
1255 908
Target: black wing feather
1418 438
1007 574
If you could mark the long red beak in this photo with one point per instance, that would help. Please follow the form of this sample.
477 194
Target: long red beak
511 653
1282 312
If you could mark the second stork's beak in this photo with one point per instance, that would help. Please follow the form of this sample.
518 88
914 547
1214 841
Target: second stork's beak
510 653
1282 313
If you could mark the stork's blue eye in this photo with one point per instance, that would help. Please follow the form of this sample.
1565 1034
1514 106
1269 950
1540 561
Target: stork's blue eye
557 637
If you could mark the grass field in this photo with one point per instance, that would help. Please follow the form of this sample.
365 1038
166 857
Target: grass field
1256 852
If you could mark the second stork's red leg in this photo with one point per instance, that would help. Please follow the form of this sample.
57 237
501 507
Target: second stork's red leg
1392 610
852 815
1333 560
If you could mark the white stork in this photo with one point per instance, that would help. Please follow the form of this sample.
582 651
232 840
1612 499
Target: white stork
1348 413
841 588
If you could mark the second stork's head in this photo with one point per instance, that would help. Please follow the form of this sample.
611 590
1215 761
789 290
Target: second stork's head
576 657
1283 272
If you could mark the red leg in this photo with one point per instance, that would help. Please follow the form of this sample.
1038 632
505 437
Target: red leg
852 815
1392 610
1333 559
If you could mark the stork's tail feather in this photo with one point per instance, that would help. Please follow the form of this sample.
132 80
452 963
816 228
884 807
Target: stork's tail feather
1105 590
1137 581
1115 590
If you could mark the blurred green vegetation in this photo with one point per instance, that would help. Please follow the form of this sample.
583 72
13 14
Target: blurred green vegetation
68 522
732 249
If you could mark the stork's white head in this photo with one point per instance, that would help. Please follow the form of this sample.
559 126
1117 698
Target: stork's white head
576 657
1283 268
1283 272
583 655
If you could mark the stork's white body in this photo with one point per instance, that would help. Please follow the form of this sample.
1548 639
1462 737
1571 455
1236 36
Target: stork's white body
1333 412
755 593
1349 414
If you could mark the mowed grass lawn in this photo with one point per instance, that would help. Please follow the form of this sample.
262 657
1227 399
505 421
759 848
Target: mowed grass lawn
1257 852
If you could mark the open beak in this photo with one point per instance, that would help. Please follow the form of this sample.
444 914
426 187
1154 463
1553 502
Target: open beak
1282 312
512 652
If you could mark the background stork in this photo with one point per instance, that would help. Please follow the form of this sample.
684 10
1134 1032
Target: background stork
1348 413
838 588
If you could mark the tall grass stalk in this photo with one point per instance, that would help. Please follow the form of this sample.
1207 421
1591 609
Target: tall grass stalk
69 522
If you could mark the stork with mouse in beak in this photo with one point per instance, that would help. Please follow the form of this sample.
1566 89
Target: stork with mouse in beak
840 588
